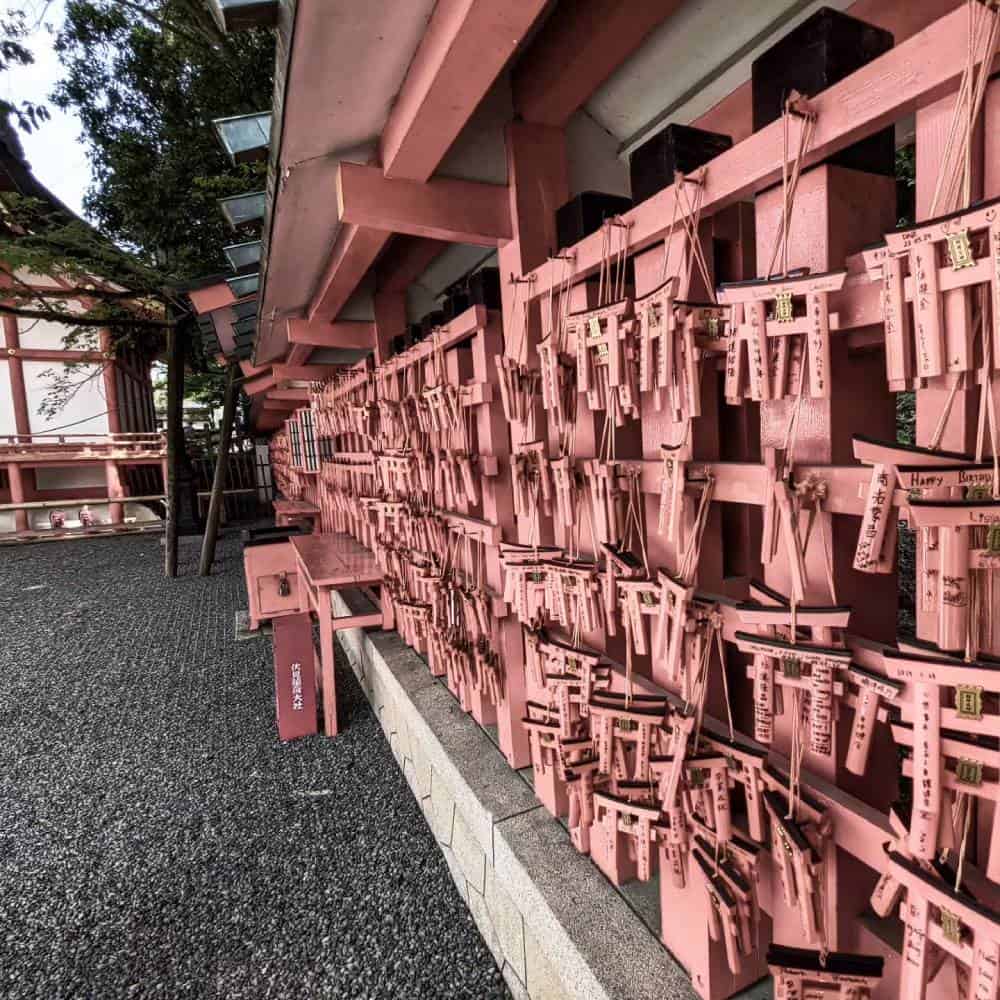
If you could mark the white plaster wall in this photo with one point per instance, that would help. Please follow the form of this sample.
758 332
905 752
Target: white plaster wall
7 424
87 410
47 335
70 477
36 280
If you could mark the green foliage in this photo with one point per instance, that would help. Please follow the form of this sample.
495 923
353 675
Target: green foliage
14 30
147 77
906 185
906 417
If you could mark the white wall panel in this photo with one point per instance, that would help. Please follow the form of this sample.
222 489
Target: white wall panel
46 335
7 424
87 410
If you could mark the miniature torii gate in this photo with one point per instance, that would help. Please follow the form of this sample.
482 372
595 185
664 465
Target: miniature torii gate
939 917
800 306
916 266
800 973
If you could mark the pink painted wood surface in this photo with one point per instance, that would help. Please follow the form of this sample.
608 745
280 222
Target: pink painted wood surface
346 333
445 209
464 49
332 561
911 75
264 566
577 51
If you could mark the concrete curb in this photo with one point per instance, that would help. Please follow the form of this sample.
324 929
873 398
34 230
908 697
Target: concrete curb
557 928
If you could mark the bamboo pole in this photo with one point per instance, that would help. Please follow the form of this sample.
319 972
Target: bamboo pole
221 469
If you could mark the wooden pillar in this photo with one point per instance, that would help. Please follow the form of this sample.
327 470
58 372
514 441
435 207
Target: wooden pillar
176 337
221 470
829 223
110 376
538 179
390 321
959 431
112 477
22 421
14 476
15 368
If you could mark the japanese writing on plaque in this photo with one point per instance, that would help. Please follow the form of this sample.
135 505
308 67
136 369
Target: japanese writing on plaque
297 702
922 305
869 547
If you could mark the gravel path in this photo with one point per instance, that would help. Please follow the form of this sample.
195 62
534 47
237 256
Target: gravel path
156 840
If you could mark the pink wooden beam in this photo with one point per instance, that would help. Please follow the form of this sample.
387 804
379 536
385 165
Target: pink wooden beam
280 405
354 251
298 354
259 384
249 369
914 74
576 51
466 45
463 51
405 261
292 395
345 333
38 354
452 210
303 373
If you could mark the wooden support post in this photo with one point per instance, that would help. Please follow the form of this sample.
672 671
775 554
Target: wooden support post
176 340
14 477
112 476
221 469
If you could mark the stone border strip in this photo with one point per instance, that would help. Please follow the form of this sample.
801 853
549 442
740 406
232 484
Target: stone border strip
556 927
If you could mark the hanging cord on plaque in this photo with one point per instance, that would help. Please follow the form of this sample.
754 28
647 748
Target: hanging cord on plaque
953 189
799 726
633 519
817 490
633 531
987 406
691 220
716 620
520 353
614 256
962 810
607 445
692 552
567 437
795 107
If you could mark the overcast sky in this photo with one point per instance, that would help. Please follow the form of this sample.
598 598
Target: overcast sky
55 152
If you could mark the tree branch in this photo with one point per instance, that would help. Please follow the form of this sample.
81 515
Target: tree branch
166 24
79 293
70 320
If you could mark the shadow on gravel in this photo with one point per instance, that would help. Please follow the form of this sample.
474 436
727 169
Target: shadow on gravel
157 840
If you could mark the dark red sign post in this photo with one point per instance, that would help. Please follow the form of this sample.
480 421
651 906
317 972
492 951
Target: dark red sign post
295 676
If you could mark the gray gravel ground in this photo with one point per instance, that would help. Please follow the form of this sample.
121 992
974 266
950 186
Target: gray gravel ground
156 840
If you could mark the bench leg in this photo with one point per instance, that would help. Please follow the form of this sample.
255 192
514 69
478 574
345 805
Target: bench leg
327 660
